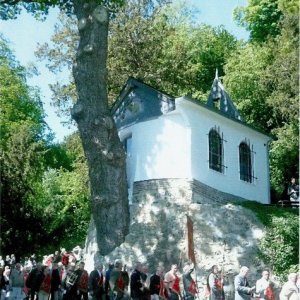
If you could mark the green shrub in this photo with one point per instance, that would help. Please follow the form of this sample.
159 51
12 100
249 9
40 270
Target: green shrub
279 248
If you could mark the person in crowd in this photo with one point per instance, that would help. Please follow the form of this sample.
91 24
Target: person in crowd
55 282
64 257
126 280
70 283
56 257
45 286
77 252
6 275
293 190
2 263
157 286
118 282
16 283
215 284
83 282
145 281
12 260
189 284
289 290
264 287
96 282
7 261
26 290
243 291
34 280
136 282
3 283
173 283
32 260
107 278
28 263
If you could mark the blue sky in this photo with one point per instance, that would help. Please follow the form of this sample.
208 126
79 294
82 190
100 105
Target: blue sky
25 32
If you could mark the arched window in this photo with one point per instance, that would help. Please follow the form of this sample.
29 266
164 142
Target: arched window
246 173
215 151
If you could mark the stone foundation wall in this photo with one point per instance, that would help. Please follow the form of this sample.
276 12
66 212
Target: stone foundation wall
224 233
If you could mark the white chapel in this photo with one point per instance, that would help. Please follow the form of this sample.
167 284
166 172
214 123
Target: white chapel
208 145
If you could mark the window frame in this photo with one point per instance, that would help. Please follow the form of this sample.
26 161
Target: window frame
246 162
216 150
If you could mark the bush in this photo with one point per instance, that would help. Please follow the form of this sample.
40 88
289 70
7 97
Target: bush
279 248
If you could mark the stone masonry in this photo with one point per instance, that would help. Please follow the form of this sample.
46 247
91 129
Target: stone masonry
225 233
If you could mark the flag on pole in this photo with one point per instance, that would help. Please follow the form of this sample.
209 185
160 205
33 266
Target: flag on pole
190 237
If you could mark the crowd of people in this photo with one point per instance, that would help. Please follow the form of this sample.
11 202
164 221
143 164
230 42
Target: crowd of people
62 276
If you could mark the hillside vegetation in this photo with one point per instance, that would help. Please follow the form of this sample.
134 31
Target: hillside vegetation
279 248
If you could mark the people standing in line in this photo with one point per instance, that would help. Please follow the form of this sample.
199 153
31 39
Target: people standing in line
106 283
96 282
289 290
33 280
243 291
145 281
157 286
70 283
16 283
264 287
45 287
55 282
83 282
136 283
64 257
118 283
215 284
189 284
7 260
3 284
12 260
173 283
2 263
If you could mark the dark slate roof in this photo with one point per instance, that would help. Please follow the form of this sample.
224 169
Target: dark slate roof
218 94
139 102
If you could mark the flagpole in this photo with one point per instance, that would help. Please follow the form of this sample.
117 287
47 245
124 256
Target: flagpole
191 252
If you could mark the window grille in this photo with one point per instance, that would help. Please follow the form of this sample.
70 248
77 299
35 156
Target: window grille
246 162
216 151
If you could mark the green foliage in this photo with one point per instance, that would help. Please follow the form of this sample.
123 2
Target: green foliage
279 248
184 63
44 186
263 80
22 149
261 17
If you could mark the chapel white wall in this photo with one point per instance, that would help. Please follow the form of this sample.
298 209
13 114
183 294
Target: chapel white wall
175 145
201 121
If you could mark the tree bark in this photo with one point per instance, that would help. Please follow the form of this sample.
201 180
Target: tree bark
101 144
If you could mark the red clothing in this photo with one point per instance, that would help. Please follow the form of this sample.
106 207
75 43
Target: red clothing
83 281
192 288
162 290
25 289
120 283
65 259
46 284
176 286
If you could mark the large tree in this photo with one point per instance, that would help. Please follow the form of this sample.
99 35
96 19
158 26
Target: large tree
183 64
101 144
23 145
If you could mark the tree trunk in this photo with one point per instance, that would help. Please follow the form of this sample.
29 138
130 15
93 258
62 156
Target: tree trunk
101 144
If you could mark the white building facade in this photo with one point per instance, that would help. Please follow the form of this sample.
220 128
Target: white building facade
168 138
